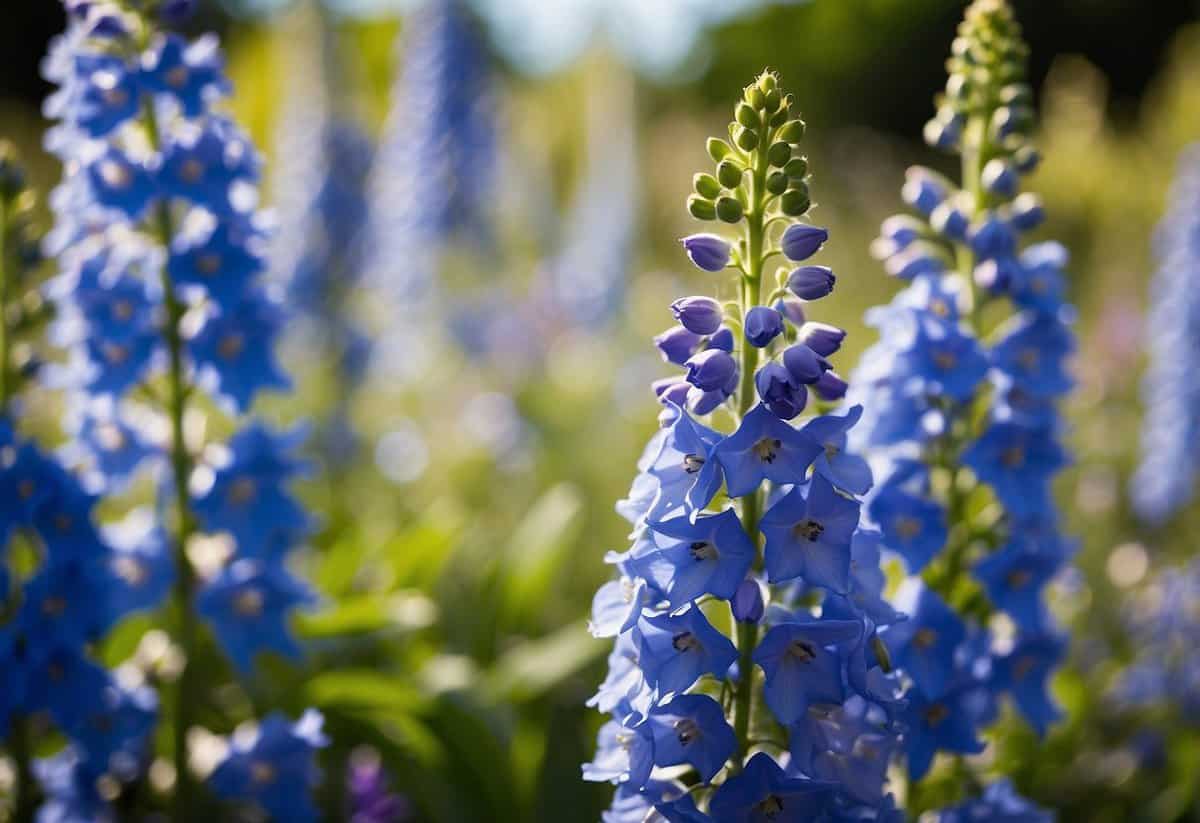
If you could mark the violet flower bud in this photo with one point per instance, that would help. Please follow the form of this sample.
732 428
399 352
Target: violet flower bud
803 364
722 340
811 282
708 251
822 338
801 241
701 315
677 344
748 602
792 309
779 391
702 402
711 369
830 386
762 325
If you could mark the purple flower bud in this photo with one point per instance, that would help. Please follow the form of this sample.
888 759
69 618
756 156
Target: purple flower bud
792 309
1027 212
676 393
702 402
822 338
779 391
708 251
711 369
722 340
996 275
811 282
895 235
701 315
999 178
748 602
947 219
830 386
993 237
803 364
763 325
677 344
801 241
918 259
661 385
923 190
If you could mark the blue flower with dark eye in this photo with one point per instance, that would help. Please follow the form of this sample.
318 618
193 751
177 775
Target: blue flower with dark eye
120 183
803 662
941 723
944 359
141 567
999 803
248 605
685 559
684 467
676 650
276 770
191 74
221 261
1015 576
691 729
1017 462
71 783
1033 355
808 533
924 646
846 471
624 753
117 721
763 793
249 496
1025 674
1038 282
913 526
235 350
110 96
201 165
109 442
764 447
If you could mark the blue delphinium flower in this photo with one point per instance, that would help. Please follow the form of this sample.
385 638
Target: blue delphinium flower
160 251
960 413
999 803
714 608
1165 478
52 616
435 165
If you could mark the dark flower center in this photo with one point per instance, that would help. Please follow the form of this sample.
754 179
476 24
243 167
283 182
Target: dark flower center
924 638
703 550
771 806
686 730
685 642
692 463
767 449
803 651
809 530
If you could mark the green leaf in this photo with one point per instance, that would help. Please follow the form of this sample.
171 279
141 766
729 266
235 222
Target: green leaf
538 548
366 689
531 669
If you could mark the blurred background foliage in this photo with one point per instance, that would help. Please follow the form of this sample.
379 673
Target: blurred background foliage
452 636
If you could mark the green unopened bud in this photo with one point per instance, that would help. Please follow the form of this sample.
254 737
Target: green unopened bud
706 186
747 139
795 202
767 82
718 149
729 172
783 115
701 208
792 131
746 115
774 98
729 210
796 168
779 154
754 96
777 182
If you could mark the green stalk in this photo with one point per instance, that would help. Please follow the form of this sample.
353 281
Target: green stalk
181 469
751 293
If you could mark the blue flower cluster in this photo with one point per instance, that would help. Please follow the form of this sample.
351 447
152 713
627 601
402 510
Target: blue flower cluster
1162 624
962 428
160 250
435 166
746 659
63 581
1165 479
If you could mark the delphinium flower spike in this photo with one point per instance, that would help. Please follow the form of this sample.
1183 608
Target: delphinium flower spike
960 414
1165 478
160 250
64 582
745 621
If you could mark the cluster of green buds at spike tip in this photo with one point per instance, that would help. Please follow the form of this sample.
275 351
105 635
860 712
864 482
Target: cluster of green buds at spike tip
759 157
22 310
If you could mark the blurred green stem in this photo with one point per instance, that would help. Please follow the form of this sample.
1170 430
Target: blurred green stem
751 293
181 469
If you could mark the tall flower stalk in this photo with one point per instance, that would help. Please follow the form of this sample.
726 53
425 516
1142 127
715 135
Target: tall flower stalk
160 249
745 622
961 417
1166 477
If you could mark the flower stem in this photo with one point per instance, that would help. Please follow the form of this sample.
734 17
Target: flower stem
751 293
181 469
